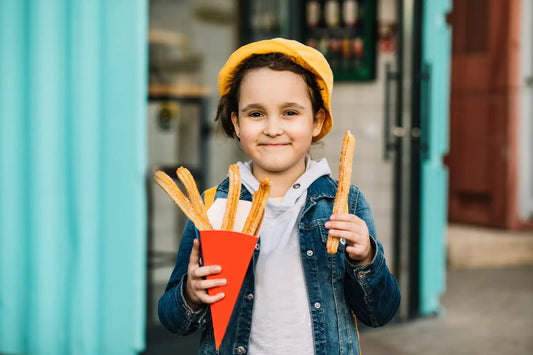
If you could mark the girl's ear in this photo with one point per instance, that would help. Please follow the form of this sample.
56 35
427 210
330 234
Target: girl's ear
235 121
320 116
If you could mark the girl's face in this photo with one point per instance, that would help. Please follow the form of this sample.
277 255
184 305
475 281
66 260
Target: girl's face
275 121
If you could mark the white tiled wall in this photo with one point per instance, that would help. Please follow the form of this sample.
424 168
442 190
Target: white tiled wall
359 107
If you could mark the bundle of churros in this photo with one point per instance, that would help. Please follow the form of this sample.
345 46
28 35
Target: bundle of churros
345 174
195 210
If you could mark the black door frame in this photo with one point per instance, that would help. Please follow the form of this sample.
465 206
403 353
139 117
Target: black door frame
406 147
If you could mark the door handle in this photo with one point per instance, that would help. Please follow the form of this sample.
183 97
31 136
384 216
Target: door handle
425 110
398 132
388 131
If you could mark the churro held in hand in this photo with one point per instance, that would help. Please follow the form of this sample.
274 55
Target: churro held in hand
345 174
170 187
257 211
195 210
187 180
233 197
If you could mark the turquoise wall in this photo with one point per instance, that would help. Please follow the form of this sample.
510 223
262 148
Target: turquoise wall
72 164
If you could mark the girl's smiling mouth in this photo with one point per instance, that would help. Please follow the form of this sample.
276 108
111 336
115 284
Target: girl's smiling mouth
273 145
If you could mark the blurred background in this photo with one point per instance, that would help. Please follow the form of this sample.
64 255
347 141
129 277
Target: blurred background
97 95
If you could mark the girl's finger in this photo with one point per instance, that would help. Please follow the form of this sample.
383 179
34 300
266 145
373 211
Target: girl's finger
345 234
355 250
347 226
347 217
203 271
205 284
194 259
205 298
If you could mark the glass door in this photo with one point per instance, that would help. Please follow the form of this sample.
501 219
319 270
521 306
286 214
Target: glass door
189 42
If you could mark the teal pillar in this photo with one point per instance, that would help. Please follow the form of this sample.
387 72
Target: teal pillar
72 165
436 56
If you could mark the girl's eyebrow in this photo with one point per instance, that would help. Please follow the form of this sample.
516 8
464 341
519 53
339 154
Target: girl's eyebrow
255 106
251 107
292 104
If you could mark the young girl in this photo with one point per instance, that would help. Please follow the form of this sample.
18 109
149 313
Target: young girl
296 298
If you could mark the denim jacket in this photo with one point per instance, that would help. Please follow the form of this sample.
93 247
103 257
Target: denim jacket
338 290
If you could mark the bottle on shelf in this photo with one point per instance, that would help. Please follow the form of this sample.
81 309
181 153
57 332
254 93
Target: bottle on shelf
323 47
313 13
349 13
358 48
335 54
331 13
346 55
359 52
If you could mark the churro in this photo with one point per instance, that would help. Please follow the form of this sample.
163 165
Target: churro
187 180
345 173
181 200
193 206
259 201
232 202
256 233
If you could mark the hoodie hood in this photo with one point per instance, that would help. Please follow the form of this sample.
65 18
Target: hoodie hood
314 170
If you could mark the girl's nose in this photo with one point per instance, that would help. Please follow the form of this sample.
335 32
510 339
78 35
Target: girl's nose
273 128
273 133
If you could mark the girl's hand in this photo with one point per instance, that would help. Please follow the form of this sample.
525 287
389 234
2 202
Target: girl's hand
196 287
355 231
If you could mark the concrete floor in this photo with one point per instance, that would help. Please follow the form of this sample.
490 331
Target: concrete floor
486 311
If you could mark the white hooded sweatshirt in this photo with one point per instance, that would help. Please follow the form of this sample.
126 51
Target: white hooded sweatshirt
281 318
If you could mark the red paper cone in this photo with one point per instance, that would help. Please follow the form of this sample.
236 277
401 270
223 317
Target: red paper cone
232 251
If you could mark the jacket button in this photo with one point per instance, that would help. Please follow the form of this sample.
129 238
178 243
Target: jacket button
309 252
343 241
257 247
240 350
296 186
317 305
250 297
204 321
361 275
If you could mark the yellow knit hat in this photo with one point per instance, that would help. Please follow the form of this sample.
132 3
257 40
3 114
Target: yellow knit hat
305 56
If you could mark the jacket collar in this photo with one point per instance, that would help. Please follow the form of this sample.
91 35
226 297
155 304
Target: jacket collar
323 187
223 189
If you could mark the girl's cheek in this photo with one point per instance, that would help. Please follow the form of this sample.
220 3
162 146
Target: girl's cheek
251 128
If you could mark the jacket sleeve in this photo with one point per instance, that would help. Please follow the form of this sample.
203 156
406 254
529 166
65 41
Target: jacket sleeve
174 312
371 289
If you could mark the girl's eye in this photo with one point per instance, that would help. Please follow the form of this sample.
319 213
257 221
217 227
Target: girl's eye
255 114
291 113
